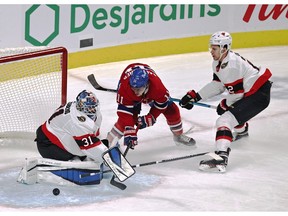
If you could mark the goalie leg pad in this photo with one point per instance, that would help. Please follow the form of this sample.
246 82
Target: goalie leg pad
28 173
81 173
81 176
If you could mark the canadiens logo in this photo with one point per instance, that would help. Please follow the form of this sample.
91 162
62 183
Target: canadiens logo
223 65
81 118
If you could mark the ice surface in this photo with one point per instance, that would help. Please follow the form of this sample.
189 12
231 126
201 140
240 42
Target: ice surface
256 177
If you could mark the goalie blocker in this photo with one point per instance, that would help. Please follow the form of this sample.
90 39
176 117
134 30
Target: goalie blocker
118 164
77 172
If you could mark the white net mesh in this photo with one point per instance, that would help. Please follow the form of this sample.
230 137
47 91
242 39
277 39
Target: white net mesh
30 89
20 50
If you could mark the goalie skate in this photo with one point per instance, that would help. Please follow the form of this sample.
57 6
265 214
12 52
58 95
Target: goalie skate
217 164
184 140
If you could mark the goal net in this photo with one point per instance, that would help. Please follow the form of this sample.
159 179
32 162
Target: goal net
33 83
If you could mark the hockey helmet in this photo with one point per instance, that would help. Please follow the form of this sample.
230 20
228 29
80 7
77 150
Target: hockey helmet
87 103
139 78
221 38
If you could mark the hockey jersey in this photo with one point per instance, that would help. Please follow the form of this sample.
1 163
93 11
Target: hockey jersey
75 132
127 100
237 75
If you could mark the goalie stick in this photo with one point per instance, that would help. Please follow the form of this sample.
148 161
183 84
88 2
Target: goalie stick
96 85
211 154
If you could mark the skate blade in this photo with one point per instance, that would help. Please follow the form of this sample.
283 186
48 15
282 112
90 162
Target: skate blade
214 169
190 144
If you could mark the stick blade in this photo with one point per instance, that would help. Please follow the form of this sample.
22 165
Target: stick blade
97 86
119 185
93 81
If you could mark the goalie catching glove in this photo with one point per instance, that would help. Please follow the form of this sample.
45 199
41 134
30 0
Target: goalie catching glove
130 137
188 99
146 121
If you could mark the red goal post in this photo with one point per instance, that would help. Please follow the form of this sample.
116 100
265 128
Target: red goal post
33 83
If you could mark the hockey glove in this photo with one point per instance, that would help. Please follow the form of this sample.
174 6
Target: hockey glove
105 142
130 137
146 121
222 107
188 99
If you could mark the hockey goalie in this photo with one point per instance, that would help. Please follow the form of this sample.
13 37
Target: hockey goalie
71 148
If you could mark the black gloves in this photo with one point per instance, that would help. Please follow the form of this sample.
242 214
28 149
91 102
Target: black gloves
222 107
188 99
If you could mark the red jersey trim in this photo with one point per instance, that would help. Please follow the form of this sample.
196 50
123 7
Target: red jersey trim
259 82
87 141
52 137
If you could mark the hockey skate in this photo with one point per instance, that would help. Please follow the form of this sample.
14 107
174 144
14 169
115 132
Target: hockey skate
184 140
213 164
239 135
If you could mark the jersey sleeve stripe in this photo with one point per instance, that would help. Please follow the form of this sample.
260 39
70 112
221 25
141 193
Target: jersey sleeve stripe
125 109
161 106
237 86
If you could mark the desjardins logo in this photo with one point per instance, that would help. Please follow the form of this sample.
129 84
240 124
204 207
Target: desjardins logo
31 14
122 17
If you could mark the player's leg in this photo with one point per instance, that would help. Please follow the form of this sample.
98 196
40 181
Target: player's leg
172 115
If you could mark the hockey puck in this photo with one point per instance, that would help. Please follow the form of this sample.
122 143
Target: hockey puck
56 191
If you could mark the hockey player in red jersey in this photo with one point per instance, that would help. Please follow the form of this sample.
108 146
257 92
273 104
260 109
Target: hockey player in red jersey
249 94
140 84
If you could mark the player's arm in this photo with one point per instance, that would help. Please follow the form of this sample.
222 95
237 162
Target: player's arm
215 87
211 89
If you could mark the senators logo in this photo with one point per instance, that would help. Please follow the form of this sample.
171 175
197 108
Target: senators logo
223 65
81 118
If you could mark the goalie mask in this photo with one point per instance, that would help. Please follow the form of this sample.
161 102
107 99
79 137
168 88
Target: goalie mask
87 103
139 81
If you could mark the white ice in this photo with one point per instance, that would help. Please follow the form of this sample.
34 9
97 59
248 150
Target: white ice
256 177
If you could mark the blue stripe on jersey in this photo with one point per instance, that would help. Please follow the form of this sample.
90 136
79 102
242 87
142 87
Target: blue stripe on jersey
125 109
161 106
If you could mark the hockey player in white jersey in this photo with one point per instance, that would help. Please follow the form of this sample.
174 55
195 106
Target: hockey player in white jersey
72 133
249 94
73 130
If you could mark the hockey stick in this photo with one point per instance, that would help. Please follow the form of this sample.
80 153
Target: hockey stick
51 164
197 103
171 159
96 85
116 183
211 154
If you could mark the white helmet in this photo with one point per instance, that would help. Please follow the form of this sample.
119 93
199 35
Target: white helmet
221 38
